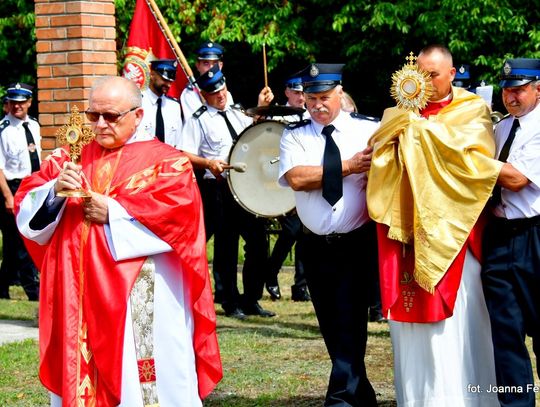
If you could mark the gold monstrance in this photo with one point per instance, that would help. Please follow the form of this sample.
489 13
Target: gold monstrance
411 86
76 135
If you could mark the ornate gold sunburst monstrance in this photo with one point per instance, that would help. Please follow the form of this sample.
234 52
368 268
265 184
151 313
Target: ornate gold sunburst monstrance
75 134
411 86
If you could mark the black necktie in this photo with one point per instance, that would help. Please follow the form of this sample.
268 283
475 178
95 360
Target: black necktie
503 156
160 126
223 114
32 150
332 179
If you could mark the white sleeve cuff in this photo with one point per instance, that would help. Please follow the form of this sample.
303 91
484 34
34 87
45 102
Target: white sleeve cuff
128 238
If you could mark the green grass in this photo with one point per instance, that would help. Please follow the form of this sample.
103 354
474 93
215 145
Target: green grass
18 307
289 261
19 384
279 361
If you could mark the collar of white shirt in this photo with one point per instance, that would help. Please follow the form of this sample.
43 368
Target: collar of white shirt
152 96
339 123
14 121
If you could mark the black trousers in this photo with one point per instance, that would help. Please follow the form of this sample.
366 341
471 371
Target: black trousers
17 266
291 231
337 269
511 281
226 220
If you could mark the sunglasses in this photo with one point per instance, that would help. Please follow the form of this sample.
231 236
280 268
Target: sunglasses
109 117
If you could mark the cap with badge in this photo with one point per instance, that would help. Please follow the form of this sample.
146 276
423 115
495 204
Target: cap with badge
19 92
165 67
462 77
294 83
321 77
519 72
212 81
210 51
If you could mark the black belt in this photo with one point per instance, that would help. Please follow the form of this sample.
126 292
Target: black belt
15 181
333 237
14 184
515 224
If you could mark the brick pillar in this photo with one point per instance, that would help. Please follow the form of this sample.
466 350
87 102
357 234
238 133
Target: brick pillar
75 44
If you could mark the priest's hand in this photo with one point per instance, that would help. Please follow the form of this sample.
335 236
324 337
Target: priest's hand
69 178
96 208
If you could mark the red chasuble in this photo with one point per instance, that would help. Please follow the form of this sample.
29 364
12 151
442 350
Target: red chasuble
401 295
84 291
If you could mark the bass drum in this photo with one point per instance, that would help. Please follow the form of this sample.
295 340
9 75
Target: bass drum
257 189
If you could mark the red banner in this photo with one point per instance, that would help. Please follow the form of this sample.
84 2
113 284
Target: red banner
147 42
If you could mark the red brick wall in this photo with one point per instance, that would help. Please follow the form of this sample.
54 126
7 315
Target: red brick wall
75 44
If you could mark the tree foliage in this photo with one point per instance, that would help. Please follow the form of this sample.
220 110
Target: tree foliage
17 42
371 36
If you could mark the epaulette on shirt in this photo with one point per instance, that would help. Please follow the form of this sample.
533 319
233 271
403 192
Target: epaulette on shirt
296 125
3 125
238 106
34 119
360 116
200 111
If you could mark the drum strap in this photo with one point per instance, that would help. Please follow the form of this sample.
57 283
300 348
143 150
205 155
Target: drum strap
223 114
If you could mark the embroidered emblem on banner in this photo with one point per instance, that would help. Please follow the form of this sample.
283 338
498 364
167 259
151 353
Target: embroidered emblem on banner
137 66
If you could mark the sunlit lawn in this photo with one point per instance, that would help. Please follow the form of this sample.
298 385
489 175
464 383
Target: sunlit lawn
279 361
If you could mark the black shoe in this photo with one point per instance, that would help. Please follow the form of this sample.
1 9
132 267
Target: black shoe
236 313
256 309
375 315
300 294
273 290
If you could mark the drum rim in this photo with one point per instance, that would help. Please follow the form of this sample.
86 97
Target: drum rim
229 180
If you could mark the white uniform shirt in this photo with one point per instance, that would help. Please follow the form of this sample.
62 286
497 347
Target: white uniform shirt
191 102
524 157
305 146
207 135
172 117
14 154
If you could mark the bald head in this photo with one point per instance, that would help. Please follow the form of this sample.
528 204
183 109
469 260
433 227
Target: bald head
437 61
119 86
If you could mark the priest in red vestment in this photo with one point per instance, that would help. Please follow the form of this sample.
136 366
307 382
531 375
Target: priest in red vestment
432 173
126 311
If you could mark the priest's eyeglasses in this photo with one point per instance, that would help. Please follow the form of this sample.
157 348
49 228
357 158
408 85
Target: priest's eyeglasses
109 117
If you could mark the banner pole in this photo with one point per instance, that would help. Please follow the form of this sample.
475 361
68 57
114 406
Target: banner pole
176 48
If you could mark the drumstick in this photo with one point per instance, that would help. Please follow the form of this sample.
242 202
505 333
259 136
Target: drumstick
264 63
238 167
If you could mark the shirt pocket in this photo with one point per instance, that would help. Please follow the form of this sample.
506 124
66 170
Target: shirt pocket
214 141
14 149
